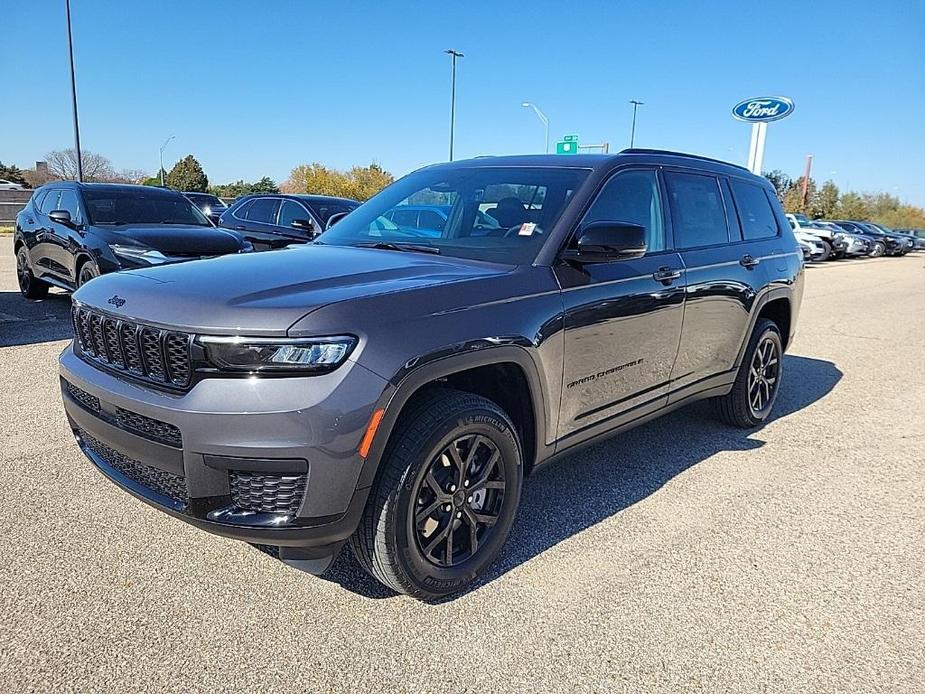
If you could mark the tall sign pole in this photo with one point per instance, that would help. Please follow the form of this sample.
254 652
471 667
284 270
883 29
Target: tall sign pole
454 55
636 104
759 112
806 174
70 48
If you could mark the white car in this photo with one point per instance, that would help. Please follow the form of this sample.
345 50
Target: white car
817 250
9 185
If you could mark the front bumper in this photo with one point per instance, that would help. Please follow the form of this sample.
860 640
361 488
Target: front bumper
270 461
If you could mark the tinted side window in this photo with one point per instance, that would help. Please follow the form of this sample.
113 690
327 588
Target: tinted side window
241 212
262 210
697 212
631 197
755 211
51 201
290 211
68 201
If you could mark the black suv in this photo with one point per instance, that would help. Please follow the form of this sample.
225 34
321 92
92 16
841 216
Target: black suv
68 233
884 244
392 389
276 220
210 205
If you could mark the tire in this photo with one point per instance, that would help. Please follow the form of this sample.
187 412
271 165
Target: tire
88 271
878 250
826 251
29 285
738 408
405 514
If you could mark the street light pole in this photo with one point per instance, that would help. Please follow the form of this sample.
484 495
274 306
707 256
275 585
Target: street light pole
70 48
454 55
636 104
161 172
542 117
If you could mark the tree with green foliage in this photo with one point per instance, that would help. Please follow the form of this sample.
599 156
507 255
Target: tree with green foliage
187 175
825 203
852 206
779 180
13 174
156 179
239 188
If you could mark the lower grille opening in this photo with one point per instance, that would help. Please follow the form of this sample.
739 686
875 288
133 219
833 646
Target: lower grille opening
265 493
160 481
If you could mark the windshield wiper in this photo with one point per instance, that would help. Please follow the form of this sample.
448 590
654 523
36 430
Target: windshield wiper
391 246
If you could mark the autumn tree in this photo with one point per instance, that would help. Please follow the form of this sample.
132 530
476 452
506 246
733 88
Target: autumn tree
781 181
359 183
852 206
187 175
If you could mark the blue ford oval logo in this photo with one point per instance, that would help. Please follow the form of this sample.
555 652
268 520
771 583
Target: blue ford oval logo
763 109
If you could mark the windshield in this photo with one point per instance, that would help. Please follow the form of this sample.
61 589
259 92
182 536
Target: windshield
139 206
203 199
497 214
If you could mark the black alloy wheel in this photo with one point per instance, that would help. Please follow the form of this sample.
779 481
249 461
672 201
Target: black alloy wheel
88 271
459 498
29 285
445 496
751 399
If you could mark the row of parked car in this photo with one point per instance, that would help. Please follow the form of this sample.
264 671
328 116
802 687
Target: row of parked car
825 239
70 232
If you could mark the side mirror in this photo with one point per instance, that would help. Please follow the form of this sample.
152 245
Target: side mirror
604 241
61 217
305 225
335 218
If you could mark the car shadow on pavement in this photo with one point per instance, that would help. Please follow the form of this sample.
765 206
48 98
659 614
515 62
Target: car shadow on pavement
25 322
598 482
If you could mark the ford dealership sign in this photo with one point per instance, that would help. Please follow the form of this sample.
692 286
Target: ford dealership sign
763 109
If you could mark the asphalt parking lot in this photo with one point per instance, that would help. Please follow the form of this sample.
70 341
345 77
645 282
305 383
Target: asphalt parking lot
680 556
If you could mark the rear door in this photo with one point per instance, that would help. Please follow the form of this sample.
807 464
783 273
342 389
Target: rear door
622 318
724 271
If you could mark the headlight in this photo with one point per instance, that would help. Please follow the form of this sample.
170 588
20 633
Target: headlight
139 254
314 354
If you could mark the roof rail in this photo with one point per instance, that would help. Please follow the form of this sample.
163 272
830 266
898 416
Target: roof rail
638 150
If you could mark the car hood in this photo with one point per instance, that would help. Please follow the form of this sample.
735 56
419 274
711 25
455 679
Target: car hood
177 239
265 293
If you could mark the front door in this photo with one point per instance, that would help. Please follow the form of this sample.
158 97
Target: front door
622 318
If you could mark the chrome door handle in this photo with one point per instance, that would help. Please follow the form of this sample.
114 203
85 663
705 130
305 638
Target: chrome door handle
748 261
666 274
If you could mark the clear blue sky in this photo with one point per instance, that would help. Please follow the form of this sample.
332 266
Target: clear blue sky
253 89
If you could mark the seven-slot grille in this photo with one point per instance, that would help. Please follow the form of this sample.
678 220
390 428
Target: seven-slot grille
152 354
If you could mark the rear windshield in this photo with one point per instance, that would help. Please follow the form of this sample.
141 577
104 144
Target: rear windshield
141 207
323 210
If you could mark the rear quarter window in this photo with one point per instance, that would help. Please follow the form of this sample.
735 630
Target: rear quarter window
755 212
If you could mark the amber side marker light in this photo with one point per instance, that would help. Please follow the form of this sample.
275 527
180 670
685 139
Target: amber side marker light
370 434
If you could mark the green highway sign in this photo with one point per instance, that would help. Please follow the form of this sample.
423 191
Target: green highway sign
567 145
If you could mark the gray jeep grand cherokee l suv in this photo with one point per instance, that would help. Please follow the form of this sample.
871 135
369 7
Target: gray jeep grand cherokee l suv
391 386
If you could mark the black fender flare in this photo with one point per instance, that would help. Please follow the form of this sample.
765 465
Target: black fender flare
408 381
761 301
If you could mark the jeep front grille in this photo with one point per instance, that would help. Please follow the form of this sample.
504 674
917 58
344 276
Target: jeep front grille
163 482
151 354
265 493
